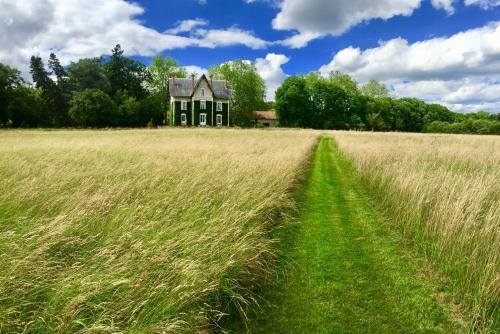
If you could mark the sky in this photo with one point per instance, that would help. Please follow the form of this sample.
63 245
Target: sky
441 51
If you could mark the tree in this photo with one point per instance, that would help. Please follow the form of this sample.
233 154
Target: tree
126 74
375 89
93 108
344 81
293 103
10 79
51 93
160 70
88 73
56 68
247 86
40 75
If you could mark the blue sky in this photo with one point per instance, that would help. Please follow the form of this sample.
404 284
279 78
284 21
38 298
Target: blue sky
442 51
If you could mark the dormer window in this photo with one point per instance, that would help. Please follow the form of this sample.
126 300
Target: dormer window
203 92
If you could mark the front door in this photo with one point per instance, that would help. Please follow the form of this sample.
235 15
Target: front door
203 119
219 120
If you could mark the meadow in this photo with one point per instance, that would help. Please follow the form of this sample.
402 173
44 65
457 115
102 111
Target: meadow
167 231
443 191
138 231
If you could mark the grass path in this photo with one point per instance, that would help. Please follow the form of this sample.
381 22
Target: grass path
349 273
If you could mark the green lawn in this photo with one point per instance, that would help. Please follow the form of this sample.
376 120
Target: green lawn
346 271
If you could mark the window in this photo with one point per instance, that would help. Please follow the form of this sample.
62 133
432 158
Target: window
203 104
219 106
219 120
203 119
203 92
183 119
184 105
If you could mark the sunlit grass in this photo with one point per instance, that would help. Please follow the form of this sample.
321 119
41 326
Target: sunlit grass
444 190
137 231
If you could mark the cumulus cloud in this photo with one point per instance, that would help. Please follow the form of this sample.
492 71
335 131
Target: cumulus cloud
269 68
312 19
72 29
462 71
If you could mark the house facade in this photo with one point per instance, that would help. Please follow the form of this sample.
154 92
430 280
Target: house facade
199 102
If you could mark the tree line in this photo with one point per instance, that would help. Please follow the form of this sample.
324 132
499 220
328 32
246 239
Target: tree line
116 91
339 102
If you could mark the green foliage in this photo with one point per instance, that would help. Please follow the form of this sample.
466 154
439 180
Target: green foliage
313 101
88 73
247 86
10 79
292 102
468 126
126 74
93 108
160 70
375 89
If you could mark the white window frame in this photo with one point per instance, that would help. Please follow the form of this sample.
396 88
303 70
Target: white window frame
183 119
219 106
205 117
184 105
218 118
203 105
203 92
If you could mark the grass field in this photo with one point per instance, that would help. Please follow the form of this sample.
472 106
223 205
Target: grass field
163 231
137 231
444 192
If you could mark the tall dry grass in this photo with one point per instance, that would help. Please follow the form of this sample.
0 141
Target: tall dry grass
444 190
137 231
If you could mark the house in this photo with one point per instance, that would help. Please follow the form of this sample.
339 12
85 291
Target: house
201 102
265 119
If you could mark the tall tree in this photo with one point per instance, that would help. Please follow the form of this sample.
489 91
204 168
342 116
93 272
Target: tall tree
126 74
375 89
160 70
56 67
39 73
247 86
59 92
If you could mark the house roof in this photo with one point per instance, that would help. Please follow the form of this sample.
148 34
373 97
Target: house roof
182 87
264 115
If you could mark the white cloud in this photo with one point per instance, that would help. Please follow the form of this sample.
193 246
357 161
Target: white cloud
232 36
462 70
312 19
484 4
72 30
186 26
270 70
196 70
447 5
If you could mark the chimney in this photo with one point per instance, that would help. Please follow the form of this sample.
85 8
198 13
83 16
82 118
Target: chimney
173 80
211 82
225 83
192 80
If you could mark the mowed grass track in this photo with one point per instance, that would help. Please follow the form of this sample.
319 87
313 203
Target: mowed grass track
138 231
347 272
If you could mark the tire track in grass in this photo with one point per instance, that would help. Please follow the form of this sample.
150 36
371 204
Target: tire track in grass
349 273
